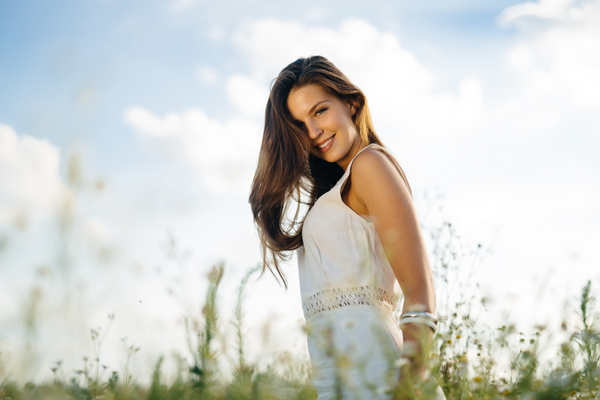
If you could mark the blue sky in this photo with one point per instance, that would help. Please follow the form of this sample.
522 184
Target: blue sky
493 104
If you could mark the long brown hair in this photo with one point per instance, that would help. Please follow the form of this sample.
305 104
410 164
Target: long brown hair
287 173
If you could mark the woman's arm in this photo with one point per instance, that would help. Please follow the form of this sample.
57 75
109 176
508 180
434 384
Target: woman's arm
378 186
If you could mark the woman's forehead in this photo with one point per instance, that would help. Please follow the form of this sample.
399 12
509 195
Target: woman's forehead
301 100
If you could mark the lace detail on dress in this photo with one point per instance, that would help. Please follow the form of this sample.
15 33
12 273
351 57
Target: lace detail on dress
330 299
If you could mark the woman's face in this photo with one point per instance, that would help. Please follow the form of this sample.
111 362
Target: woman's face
327 120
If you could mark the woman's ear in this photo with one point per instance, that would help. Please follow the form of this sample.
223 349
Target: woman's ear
353 108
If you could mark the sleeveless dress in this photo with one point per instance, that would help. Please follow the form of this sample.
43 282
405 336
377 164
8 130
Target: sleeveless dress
349 293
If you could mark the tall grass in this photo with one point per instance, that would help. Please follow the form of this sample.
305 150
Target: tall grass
468 361
462 361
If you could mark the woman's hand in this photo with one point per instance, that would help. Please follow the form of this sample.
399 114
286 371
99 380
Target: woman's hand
417 344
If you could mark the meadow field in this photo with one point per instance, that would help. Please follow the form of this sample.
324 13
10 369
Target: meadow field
464 361
469 359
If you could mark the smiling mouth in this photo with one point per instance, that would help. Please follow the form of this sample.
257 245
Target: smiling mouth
325 143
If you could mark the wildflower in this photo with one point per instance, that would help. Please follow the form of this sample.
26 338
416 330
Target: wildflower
449 341
505 392
477 379
458 336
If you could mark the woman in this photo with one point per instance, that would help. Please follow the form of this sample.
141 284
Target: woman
358 241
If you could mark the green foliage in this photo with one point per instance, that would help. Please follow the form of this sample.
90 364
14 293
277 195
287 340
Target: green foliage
468 362
204 372
462 361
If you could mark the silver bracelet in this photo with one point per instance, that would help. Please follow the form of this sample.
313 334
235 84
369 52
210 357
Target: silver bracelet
420 314
419 320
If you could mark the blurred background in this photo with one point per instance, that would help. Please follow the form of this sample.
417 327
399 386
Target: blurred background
129 135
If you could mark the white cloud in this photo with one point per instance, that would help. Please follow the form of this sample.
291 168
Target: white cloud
557 62
146 122
31 187
401 91
544 9
555 66
224 153
249 96
29 176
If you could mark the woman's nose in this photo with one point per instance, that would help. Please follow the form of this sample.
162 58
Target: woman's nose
313 130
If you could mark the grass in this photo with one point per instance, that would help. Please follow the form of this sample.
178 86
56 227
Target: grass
467 360
464 363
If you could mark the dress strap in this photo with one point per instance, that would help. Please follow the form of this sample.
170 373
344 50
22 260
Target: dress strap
344 177
356 155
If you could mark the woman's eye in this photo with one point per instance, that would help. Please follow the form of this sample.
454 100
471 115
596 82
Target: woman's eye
320 111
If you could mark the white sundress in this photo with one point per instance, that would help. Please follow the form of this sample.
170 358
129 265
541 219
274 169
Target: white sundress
349 293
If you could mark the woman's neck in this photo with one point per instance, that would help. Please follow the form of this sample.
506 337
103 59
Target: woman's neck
357 146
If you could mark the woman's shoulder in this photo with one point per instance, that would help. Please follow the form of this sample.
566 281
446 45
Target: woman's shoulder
375 167
372 160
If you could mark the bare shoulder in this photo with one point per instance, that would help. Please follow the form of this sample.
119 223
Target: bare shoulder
372 159
374 172
373 164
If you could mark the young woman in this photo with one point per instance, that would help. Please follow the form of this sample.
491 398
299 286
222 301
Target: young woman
326 187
